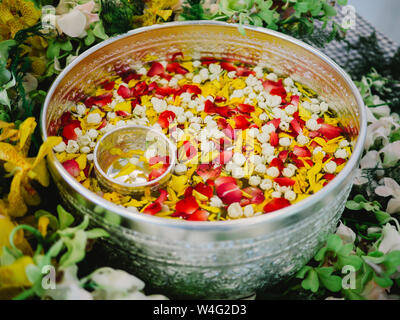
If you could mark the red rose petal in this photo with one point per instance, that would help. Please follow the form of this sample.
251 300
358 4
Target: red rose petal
72 167
246 108
204 189
162 197
276 204
329 131
275 122
274 139
221 180
285 182
256 193
176 55
329 176
244 72
191 89
198 215
155 69
301 151
152 208
124 92
296 127
229 192
155 173
241 122
339 161
175 67
276 162
283 155
208 171
69 130
165 118
228 66
187 205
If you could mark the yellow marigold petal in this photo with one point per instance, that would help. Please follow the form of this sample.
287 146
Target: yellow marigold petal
199 196
178 183
82 161
43 224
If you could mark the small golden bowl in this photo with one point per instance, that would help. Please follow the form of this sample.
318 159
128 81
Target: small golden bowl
121 159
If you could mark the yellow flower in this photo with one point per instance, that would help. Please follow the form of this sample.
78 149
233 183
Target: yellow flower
155 10
24 169
16 15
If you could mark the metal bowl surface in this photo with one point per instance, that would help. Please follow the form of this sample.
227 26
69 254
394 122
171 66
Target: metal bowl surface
222 259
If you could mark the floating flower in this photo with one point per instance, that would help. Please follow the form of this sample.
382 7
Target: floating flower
390 239
77 21
345 233
390 188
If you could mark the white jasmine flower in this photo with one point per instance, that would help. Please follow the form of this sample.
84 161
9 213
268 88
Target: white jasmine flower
390 188
390 239
345 233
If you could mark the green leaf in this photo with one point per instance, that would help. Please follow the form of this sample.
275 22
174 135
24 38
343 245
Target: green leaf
99 32
90 38
5 46
334 243
53 50
384 282
353 205
55 249
354 261
311 282
392 262
4 100
341 2
301 7
5 76
352 295
346 249
66 45
96 233
65 219
360 198
329 10
303 271
267 16
382 216
331 282
75 249
320 256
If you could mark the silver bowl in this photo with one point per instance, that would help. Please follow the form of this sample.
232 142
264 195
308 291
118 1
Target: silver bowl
222 259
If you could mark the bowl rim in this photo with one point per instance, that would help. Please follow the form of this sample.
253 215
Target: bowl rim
208 226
